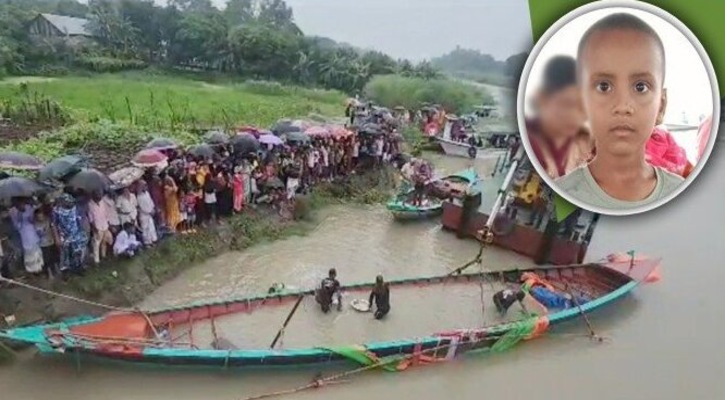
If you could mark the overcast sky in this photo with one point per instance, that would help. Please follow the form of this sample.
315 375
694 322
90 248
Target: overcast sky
418 29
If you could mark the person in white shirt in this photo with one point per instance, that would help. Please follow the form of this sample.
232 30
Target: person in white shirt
146 211
126 244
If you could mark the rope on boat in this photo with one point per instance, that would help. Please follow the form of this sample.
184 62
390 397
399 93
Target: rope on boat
83 301
514 336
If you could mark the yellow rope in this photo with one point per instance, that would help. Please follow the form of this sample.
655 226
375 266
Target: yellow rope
320 382
65 296
83 301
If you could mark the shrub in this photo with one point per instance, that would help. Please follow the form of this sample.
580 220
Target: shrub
109 64
396 90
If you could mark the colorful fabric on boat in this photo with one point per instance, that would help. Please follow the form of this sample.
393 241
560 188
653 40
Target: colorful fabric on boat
552 299
661 150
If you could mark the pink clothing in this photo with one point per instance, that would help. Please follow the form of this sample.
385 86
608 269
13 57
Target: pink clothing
238 184
703 136
98 215
663 151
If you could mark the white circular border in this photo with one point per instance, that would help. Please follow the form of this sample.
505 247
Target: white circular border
704 57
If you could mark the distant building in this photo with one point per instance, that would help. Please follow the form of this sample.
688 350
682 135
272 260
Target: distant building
59 26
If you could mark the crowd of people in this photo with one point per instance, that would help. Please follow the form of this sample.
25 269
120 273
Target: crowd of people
67 233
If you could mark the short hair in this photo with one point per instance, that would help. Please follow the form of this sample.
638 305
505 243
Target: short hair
559 72
621 21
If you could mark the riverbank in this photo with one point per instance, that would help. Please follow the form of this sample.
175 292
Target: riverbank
123 283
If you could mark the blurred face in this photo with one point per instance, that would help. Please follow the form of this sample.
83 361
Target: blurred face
561 113
622 88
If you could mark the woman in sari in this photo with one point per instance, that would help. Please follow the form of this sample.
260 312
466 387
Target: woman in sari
239 189
171 204
24 221
69 234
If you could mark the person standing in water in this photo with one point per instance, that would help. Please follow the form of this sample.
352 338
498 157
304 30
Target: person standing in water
381 295
329 291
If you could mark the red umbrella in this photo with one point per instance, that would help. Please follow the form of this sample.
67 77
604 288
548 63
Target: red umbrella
149 158
318 131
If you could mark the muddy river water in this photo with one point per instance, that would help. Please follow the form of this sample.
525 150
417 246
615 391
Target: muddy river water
665 339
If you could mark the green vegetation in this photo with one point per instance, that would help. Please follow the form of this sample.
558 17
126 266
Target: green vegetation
160 101
483 68
409 92
252 39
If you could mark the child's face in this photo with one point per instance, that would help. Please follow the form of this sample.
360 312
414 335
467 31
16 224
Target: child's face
622 86
562 112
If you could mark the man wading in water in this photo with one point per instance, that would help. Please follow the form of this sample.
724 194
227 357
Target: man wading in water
381 295
329 290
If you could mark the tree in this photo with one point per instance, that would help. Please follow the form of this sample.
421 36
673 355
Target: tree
239 12
515 65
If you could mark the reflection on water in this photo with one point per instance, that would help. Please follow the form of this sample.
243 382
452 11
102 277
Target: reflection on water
664 339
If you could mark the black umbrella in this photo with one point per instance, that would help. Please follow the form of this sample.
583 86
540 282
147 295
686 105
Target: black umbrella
18 186
202 151
61 168
19 161
284 126
273 183
245 143
90 180
216 138
371 129
296 138
162 144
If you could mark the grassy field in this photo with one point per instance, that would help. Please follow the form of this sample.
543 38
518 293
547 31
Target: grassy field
162 101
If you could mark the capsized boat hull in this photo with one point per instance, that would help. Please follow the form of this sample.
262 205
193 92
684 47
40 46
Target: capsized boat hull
132 339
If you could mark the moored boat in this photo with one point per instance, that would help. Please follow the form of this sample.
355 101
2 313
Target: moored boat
454 185
133 336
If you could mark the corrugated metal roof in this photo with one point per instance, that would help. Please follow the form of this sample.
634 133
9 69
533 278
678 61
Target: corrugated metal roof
69 25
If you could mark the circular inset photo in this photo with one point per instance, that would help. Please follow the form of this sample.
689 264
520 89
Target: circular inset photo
618 107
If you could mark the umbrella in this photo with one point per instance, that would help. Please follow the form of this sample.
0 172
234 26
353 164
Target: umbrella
273 183
18 186
297 137
317 131
339 131
270 139
61 168
245 143
90 180
126 176
202 151
371 129
20 161
216 138
162 144
302 124
149 158
284 126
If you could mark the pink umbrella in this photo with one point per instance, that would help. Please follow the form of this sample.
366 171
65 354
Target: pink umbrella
318 131
339 131
149 158
270 139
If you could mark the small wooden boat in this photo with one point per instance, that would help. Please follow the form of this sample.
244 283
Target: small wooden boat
133 336
454 185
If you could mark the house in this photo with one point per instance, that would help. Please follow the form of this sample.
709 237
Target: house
59 26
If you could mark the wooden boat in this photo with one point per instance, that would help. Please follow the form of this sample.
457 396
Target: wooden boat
130 336
454 185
